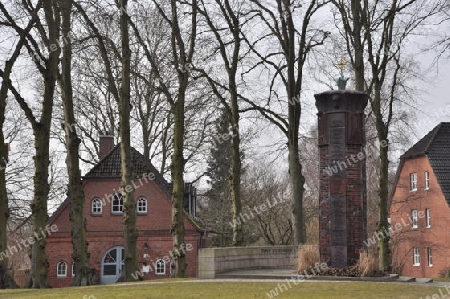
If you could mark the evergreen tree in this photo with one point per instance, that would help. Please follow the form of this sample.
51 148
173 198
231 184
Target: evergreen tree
217 213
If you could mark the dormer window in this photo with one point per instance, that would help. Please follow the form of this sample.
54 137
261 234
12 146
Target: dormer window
413 179
117 204
96 206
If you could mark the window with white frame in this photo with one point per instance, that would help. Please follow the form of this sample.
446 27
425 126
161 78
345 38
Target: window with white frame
96 206
141 205
413 178
416 257
428 217
61 269
427 180
414 216
430 257
160 267
117 204
73 270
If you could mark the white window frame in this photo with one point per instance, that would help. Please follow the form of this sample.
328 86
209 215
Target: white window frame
427 180
430 256
415 218
61 269
142 209
160 267
416 256
96 206
413 181
428 218
117 201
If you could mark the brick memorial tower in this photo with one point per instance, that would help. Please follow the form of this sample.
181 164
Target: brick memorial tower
342 194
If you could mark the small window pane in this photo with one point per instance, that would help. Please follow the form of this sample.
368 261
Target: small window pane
141 205
427 180
414 218
430 257
109 269
117 203
61 269
160 267
111 257
96 206
416 261
413 177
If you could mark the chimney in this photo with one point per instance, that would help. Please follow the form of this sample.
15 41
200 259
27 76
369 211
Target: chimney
106 144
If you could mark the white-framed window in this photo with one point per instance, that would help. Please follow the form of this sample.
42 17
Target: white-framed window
430 257
413 178
160 267
96 206
416 256
61 269
117 203
427 180
73 269
428 217
141 205
414 216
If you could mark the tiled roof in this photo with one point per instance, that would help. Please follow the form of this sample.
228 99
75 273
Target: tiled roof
436 146
110 167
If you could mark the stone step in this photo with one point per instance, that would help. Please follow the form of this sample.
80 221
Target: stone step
406 279
424 280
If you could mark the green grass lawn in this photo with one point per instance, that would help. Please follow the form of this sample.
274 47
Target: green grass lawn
232 290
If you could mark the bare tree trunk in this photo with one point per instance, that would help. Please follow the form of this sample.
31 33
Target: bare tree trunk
80 253
41 132
183 58
235 180
6 279
39 268
177 228
129 206
385 256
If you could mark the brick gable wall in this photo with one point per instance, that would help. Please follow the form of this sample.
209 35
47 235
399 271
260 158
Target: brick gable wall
106 231
437 236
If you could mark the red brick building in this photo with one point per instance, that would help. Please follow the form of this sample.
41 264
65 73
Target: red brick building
420 212
103 212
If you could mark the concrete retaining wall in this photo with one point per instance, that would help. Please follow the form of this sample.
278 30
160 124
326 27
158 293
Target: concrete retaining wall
212 261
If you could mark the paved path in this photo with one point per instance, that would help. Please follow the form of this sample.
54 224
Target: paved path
278 275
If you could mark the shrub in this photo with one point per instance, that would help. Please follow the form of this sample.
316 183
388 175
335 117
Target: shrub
308 256
367 264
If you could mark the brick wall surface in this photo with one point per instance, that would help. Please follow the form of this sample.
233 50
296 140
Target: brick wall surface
106 231
342 193
405 237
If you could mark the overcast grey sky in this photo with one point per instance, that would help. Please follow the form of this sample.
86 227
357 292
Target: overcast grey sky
435 103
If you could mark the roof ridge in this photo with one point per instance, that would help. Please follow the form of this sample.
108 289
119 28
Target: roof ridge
422 145
102 159
435 146
433 137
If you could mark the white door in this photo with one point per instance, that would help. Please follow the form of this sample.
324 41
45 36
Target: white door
112 262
